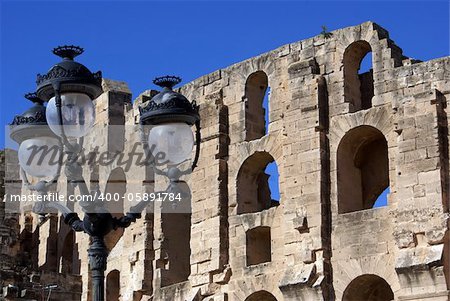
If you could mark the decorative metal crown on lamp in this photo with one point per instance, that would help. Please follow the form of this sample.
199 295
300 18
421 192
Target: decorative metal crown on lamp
171 116
168 105
69 88
31 131
69 76
31 123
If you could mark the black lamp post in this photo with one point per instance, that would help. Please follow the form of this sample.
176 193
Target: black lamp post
69 88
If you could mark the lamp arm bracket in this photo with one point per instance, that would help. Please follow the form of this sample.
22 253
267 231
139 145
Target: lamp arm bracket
126 220
74 174
74 221
43 207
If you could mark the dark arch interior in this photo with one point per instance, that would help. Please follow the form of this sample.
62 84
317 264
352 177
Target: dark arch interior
255 92
368 288
69 262
253 189
358 86
176 225
362 168
113 286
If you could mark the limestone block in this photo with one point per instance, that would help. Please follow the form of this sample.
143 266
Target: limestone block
223 277
300 221
436 233
303 68
419 257
201 256
298 275
116 86
209 289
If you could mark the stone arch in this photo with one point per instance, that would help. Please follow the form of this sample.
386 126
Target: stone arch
379 118
362 168
368 287
261 296
256 86
384 48
252 186
350 269
264 285
386 54
358 88
113 286
115 186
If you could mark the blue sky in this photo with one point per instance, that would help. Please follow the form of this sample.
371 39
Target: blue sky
136 41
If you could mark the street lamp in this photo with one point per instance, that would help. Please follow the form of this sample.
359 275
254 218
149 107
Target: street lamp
170 117
31 129
69 88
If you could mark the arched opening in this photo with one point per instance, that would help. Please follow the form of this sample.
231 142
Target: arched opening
176 245
113 286
258 245
116 188
261 296
358 76
362 168
368 288
177 234
69 255
256 92
253 184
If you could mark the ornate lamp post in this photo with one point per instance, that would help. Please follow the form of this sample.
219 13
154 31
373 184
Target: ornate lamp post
31 131
69 88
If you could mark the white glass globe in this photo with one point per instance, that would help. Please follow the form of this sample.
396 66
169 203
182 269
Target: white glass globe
39 156
78 114
171 142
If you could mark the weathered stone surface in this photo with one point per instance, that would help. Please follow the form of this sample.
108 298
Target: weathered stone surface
419 257
338 138
297 275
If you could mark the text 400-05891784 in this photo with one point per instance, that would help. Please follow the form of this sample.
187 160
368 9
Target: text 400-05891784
137 197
